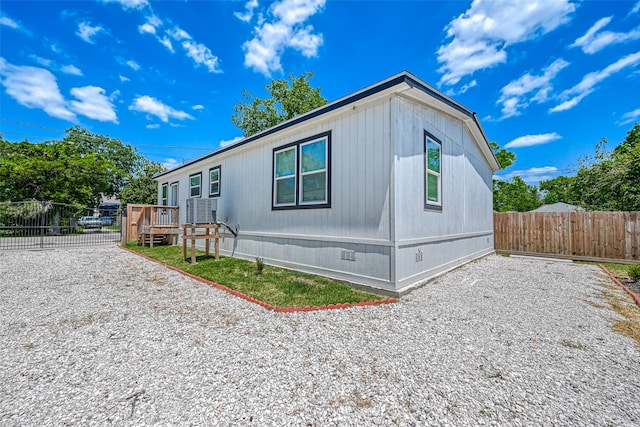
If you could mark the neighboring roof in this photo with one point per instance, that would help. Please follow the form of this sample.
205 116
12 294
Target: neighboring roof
558 207
404 78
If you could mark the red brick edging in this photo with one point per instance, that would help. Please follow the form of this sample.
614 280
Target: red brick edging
264 304
635 297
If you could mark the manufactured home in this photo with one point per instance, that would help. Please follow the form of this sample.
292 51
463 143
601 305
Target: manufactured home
384 188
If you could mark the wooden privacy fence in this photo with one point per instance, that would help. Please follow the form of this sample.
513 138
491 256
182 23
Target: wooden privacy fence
575 235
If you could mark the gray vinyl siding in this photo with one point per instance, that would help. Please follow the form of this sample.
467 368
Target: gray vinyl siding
312 239
463 229
377 195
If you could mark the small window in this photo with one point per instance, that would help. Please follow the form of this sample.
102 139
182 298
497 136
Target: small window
285 177
173 194
165 188
313 172
195 184
214 181
301 174
433 176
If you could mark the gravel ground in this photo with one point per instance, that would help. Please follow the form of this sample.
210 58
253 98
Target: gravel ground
100 336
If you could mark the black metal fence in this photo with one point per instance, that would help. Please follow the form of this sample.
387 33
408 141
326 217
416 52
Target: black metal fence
34 224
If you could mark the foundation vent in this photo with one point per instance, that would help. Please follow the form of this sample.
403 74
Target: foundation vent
348 255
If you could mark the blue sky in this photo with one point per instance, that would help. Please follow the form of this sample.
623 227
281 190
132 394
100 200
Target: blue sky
547 78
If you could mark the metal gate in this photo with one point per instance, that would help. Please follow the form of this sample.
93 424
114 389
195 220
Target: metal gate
33 225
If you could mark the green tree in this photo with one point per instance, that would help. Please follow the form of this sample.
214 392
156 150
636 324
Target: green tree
560 189
142 189
53 170
287 99
610 181
125 157
79 169
504 156
515 195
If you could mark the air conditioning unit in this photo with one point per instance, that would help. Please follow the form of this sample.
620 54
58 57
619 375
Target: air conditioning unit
201 211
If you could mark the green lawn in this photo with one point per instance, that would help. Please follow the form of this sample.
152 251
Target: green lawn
618 270
277 287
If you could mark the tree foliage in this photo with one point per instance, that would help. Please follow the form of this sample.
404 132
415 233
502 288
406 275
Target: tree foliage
607 181
55 171
560 189
515 195
504 156
142 189
287 99
79 169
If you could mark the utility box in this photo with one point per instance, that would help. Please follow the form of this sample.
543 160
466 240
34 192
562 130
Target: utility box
201 211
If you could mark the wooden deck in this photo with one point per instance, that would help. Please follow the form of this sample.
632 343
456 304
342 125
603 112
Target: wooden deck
152 223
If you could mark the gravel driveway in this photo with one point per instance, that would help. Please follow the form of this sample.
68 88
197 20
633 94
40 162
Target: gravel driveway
99 336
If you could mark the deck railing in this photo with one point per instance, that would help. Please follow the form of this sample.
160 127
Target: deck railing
140 217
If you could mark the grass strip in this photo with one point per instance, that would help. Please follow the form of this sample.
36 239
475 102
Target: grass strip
621 271
275 286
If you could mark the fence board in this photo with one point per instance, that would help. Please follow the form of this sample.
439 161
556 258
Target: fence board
597 235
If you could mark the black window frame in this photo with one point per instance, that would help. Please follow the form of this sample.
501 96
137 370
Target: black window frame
164 194
192 187
219 169
427 204
298 175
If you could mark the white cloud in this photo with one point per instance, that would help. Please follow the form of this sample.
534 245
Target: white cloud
198 52
8 22
151 26
129 4
636 8
71 69
480 36
153 126
630 117
532 175
249 6
529 140
167 43
518 94
224 143
35 87
147 28
93 103
198 107
170 163
154 107
124 78
286 30
593 40
87 32
574 95
133 64
202 55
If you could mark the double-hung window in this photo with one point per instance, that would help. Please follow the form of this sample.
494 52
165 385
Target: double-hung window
214 182
195 185
173 194
165 188
301 174
433 173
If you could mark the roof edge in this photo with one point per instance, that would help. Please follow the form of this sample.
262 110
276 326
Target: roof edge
403 77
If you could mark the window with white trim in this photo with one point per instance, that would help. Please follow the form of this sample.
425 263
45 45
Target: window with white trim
195 185
433 173
214 181
173 194
164 190
301 174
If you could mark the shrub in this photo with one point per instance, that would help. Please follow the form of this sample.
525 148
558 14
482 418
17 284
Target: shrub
259 265
634 273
